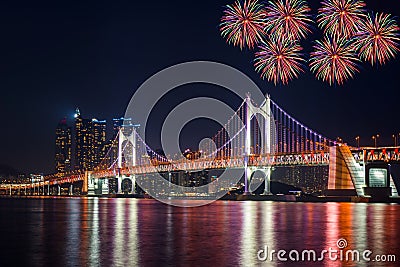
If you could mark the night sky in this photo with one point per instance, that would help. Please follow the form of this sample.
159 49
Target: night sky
59 55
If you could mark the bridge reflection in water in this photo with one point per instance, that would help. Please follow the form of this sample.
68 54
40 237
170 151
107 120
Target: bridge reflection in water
131 232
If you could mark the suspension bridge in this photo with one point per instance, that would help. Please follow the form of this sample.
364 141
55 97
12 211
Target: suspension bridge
255 138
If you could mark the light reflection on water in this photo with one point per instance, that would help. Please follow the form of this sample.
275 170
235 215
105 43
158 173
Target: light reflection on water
94 250
248 236
131 232
72 236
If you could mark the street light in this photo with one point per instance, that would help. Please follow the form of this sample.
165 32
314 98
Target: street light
374 138
340 140
395 139
377 136
358 141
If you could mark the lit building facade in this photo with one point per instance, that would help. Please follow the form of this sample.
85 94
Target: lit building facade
118 123
98 146
63 147
90 142
36 178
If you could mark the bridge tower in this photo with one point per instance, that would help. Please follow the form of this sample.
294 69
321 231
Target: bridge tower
265 111
247 170
130 156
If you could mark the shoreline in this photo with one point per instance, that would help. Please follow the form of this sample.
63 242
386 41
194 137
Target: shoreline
273 198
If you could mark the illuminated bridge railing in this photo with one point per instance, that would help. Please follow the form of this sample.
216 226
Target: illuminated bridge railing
48 180
317 158
386 154
311 158
371 154
67 179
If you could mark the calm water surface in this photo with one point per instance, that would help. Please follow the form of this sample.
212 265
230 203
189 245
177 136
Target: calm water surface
131 232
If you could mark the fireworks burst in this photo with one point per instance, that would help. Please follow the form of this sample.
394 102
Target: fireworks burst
243 25
334 60
279 60
341 17
350 36
288 17
377 38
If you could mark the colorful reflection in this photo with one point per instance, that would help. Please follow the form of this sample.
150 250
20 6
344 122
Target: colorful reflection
131 232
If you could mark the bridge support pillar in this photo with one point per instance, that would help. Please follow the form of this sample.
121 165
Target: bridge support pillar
10 190
267 182
247 175
59 190
48 189
25 190
85 184
133 180
71 188
119 184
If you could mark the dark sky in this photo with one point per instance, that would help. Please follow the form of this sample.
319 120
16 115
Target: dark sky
58 55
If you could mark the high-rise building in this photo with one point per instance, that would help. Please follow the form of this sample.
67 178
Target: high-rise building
118 123
63 147
82 142
90 142
98 150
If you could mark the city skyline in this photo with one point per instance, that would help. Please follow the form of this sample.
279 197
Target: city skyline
96 59
91 142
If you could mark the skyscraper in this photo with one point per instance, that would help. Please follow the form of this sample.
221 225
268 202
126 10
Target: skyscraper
63 147
82 142
98 149
90 142
118 123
